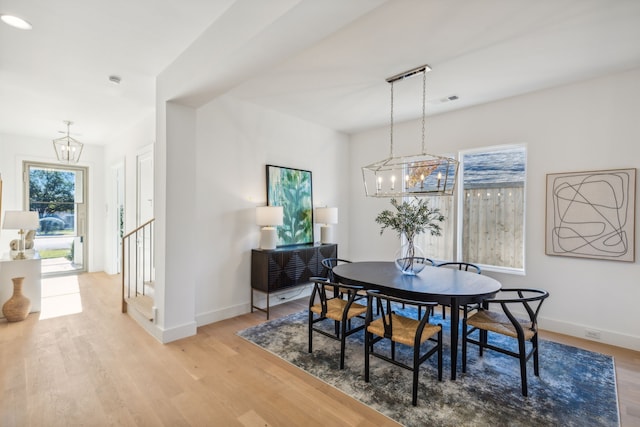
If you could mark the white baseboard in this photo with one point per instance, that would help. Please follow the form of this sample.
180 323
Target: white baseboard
161 334
179 332
587 332
151 328
259 299
221 314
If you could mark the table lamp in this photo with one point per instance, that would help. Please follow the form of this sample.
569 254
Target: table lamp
269 217
326 217
23 221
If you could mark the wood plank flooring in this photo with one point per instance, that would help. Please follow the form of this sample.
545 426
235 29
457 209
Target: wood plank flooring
98 368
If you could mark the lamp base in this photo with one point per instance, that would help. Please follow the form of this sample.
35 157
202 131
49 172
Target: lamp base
268 238
326 234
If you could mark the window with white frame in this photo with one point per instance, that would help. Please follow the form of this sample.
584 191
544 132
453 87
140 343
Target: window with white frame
490 211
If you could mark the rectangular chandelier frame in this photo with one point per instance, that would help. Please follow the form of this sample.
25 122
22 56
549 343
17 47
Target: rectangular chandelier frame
416 175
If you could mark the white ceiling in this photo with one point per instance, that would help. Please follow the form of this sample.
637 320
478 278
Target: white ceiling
324 61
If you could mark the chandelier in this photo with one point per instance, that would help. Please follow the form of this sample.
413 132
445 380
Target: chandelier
416 175
68 150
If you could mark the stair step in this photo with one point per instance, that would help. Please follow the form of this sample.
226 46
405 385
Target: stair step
143 304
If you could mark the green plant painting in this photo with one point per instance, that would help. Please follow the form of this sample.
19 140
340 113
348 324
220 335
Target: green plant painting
291 189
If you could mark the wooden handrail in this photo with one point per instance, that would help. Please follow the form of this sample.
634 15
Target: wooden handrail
138 229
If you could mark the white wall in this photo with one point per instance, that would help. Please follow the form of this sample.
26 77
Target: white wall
206 221
235 142
586 126
15 149
123 148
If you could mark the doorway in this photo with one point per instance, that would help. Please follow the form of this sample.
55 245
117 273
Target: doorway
58 194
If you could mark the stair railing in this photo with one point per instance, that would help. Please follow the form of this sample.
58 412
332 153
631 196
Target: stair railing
137 262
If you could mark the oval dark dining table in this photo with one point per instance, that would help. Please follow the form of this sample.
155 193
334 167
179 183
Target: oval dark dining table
433 284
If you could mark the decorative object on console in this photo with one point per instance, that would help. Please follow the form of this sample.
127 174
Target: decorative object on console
410 219
326 217
23 221
28 241
592 214
291 189
268 217
68 150
418 175
18 306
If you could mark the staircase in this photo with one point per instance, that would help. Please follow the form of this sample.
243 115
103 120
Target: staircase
138 272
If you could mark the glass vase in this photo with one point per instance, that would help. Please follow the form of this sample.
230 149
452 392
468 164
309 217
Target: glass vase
410 259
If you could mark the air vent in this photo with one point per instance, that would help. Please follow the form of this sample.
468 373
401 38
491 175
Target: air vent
449 98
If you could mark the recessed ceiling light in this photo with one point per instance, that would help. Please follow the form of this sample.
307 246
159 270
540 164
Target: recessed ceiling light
16 22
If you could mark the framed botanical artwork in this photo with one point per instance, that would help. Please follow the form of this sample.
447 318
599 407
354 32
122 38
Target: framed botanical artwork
591 214
291 189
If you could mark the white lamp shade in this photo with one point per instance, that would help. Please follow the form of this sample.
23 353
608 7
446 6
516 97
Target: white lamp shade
327 215
269 215
21 220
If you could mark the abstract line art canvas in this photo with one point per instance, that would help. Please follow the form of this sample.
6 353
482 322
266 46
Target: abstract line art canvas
591 214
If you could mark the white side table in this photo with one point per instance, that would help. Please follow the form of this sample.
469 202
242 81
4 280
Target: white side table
30 269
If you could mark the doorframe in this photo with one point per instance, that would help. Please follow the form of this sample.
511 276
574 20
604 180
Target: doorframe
143 155
85 197
118 196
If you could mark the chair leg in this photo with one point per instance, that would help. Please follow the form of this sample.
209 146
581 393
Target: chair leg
444 311
367 349
483 340
342 343
416 371
523 366
310 331
464 345
440 355
536 367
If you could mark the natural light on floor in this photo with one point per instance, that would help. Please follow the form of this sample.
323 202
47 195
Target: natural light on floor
60 297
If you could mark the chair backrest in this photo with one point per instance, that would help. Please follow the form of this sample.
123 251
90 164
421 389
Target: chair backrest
387 304
528 298
319 292
329 263
466 266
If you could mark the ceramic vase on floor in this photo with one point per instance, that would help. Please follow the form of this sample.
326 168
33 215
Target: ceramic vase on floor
18 306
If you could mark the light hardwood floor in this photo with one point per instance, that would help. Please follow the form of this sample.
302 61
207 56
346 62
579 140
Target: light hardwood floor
98 368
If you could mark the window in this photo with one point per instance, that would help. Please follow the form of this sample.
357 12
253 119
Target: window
490 211
492 201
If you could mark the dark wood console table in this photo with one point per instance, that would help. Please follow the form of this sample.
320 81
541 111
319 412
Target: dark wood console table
286 267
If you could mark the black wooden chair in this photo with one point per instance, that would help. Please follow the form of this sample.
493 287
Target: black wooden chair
326 303
329 263
505 323
403 330
464 266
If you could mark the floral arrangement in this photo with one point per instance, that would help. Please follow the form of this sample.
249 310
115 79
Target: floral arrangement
410 219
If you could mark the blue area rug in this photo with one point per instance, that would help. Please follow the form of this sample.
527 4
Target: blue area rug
575 387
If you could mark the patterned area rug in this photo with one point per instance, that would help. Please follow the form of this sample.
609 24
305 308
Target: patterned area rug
575 387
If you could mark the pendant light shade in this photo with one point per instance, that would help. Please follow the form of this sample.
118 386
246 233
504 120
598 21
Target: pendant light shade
68 150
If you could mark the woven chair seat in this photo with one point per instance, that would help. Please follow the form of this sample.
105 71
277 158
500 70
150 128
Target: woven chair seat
499 323
335 308
404 329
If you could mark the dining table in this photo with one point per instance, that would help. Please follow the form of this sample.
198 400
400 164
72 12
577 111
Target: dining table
443 285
